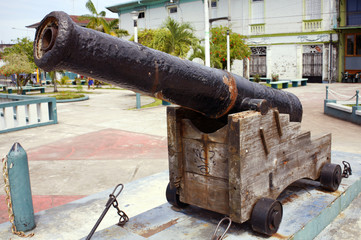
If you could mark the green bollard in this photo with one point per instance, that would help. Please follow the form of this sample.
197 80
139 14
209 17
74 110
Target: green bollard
20 190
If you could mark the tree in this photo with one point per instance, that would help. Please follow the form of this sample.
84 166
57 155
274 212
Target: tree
180 38
173 38
114 30
18 64
199 52
22 46
98 22
238 48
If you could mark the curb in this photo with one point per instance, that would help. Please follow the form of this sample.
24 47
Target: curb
86 97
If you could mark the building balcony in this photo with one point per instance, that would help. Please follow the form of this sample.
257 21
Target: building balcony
256 29
312 25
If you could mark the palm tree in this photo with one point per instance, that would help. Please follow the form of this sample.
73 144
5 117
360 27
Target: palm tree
180 37
199 52
114 30
96 20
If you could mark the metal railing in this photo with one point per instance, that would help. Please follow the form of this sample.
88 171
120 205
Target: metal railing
20 112
339 109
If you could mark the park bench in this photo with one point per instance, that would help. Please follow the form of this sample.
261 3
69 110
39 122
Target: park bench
82 82
4 87
284 84
263 79
27 89
295 82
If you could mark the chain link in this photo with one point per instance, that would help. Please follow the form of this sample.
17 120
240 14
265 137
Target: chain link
8 200
123 216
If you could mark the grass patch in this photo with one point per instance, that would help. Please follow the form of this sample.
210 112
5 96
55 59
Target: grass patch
156 103
64 95
351 105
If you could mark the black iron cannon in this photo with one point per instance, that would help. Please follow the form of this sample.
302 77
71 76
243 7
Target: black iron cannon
60 44
237 168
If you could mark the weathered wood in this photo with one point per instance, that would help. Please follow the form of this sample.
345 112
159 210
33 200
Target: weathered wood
229 168
206 192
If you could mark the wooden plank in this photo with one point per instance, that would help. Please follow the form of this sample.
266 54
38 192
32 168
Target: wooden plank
206 192
174 146
236 153
205 158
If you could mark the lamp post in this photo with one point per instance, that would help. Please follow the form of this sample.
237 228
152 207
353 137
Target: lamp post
206 34
228 54
135 20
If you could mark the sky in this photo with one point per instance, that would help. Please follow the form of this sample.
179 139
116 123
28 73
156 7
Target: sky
16 14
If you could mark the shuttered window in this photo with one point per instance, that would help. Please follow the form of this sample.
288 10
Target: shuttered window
313 9
257 11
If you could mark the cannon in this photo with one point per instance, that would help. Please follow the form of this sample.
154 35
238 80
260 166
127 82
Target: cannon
233 145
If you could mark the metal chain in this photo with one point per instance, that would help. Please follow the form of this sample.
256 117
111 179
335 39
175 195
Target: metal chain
123 216
8 200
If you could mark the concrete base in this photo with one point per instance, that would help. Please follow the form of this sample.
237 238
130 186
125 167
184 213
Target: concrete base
308 209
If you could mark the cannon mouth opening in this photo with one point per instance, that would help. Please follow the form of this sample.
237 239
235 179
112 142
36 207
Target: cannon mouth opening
46 36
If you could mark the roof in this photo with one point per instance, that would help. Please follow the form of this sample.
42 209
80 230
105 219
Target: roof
75 18
134 3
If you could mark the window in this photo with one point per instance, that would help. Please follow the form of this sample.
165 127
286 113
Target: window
313 9
172 10
213 3
257 12
353 12
141 15
353 45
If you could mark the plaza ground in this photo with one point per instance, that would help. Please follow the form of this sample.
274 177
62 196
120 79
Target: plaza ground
100 142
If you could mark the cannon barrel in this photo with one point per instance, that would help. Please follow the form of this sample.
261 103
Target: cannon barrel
60 44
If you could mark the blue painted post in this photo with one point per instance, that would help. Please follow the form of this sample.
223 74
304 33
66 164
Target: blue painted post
137 96
20 190
357 97
165 103
326 92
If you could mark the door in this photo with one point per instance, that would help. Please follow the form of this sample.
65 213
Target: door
257 63
312 63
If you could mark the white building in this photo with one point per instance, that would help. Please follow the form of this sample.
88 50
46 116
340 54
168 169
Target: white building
291 38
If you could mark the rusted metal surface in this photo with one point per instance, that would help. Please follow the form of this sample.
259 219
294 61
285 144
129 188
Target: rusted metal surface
62 45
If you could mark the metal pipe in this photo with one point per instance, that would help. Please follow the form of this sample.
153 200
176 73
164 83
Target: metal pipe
212 92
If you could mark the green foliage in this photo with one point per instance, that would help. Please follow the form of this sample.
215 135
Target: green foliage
18 64
257 78
174 38
79 88
98 22
153 38
238 48
64 80
180 39
199 52
275 77
67 95
22 46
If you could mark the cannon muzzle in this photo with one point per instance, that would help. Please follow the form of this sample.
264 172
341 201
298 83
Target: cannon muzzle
60 44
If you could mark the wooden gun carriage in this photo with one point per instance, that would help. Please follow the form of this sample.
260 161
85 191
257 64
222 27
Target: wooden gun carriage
229 152
241 168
